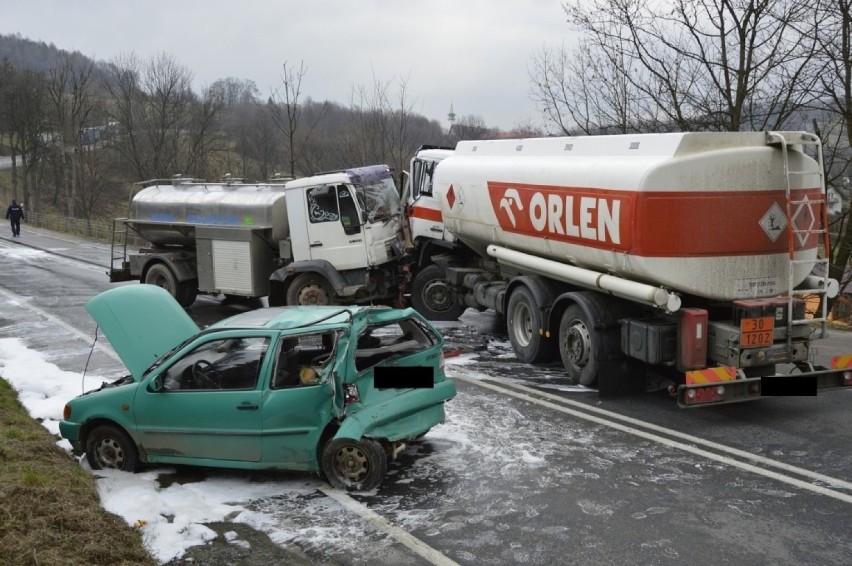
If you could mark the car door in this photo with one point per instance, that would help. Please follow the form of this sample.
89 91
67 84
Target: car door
299 402
205 403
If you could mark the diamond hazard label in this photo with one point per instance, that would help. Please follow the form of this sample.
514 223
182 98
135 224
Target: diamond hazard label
774 222
451 196
804 220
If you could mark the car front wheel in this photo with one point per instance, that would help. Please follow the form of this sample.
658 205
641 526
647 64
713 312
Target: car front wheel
108 446
354 465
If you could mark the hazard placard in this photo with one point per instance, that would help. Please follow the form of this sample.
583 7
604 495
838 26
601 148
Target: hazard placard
756 332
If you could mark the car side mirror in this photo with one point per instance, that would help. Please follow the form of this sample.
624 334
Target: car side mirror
156 384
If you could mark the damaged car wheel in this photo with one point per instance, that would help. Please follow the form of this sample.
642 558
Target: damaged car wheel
354 465
109 447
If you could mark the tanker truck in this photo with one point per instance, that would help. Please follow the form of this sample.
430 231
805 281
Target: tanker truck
331 237
690 255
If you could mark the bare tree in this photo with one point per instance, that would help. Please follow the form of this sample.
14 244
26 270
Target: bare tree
723 65
246 122
385 128
26 120
470 127
165 128
587 91
287 110
834 122
69 92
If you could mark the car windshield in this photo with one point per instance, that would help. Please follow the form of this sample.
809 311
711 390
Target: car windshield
158 362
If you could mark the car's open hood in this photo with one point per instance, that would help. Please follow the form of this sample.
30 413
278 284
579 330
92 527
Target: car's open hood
142 322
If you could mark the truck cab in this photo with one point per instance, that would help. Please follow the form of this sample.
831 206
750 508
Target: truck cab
345 238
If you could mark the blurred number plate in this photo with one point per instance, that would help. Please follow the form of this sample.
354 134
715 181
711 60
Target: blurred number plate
756 332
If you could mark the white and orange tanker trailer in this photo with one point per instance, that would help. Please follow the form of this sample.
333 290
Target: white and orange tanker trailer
692 253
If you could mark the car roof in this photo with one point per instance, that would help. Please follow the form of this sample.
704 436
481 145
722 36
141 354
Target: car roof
314 316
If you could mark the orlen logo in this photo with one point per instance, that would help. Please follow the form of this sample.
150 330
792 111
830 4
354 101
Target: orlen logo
597 218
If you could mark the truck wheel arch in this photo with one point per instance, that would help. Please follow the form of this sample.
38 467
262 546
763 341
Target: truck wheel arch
281 278
544 291
536 294
179 282
616 373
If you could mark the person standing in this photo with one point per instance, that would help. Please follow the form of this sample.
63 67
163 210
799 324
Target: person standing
15 213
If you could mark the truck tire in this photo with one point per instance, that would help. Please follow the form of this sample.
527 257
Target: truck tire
107 446
523 321
432 296
354 465
577 347
160 275
187 292
310 289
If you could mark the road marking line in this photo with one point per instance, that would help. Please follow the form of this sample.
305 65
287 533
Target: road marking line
379 522
404 537
25 303
847 498
834 482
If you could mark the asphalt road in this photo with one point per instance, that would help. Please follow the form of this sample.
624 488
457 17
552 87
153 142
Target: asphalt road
527 469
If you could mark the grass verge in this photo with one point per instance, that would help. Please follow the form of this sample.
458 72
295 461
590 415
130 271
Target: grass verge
50 512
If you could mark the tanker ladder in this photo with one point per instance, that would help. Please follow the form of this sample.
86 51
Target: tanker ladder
820 286
118 252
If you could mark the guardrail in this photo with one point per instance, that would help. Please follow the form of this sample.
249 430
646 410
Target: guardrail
96 229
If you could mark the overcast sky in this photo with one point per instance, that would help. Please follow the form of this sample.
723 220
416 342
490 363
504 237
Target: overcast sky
473 54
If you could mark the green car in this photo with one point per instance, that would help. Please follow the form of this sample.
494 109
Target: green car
331 389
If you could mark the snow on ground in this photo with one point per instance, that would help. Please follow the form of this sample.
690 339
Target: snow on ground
171 515
171 508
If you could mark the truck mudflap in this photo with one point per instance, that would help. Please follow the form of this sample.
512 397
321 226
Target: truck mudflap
725 385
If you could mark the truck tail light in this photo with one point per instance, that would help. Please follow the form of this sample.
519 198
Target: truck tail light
350 394
702 395
692 339
66 412
844 363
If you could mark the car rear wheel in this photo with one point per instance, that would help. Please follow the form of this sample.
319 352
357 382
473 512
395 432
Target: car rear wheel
108 446
354 465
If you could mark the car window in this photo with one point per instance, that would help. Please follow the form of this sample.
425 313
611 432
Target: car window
392 341
304 359
225 364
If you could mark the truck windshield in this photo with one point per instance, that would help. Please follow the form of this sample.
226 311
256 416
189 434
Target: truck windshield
380 200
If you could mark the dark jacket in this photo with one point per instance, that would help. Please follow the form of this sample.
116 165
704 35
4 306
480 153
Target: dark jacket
15 211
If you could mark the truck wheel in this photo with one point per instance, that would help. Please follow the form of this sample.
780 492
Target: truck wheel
354 465
523 320
107 446
161 276
309 289
187 291
432 296
577 347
